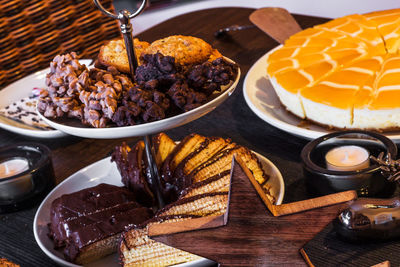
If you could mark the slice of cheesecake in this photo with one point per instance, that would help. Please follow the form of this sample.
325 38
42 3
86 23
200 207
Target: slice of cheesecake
343 88
381 111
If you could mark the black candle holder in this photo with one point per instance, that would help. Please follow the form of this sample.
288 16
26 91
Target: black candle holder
369 182
28 187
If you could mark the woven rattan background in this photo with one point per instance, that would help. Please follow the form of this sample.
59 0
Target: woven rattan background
32 32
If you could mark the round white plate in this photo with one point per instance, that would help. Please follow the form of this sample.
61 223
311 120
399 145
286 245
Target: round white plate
260 96
23 88
104 171
71 127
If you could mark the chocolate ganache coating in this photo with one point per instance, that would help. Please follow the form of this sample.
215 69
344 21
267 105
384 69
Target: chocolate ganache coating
92 214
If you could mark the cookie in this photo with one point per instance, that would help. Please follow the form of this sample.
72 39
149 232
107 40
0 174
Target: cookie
186 50
6 263
114 53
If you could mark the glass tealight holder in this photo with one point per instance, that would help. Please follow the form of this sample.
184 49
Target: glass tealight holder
365 177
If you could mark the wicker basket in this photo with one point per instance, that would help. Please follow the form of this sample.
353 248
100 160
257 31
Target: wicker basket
32 32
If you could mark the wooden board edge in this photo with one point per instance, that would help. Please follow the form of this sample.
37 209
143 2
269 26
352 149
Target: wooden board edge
186 225
306 258
314 203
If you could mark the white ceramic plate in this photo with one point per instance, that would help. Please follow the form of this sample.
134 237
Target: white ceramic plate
71 127
20 89
103 171
263 101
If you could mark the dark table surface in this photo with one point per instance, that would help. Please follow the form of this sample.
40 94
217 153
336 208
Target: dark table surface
232 119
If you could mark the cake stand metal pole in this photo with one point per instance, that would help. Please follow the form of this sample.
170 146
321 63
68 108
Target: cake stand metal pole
154 174
124 17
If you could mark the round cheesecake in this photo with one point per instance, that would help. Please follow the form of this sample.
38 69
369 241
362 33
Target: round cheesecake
344 73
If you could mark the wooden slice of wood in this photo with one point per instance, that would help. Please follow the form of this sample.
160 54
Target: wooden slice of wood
276 22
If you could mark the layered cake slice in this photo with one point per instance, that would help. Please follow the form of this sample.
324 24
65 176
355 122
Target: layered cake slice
137 248
89 222
188 145
163 146
203 204
207 149
131 165
194 212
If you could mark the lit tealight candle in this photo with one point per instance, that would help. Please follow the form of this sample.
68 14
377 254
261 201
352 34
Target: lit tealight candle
347 158
13 167
18 186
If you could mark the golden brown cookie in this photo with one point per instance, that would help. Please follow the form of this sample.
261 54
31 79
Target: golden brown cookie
214 55
114 53
185 49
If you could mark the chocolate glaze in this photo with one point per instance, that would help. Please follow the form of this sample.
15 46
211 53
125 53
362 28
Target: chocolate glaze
171 186
82 203
92 214
205 182
214 159
108 226
166 171
132 169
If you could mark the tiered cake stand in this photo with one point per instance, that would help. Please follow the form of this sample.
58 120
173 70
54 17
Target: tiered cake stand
146 129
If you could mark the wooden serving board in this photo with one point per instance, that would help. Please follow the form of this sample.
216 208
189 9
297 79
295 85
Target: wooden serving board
251 231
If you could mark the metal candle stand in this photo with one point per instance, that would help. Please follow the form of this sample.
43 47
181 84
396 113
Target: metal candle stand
124 17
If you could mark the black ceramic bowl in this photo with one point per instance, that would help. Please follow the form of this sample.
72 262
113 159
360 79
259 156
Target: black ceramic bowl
30 186
368 181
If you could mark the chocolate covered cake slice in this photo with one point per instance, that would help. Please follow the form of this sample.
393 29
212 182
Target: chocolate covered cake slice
132 167
89 222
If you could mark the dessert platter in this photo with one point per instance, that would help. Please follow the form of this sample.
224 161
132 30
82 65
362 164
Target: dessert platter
339 75
205 161
102 102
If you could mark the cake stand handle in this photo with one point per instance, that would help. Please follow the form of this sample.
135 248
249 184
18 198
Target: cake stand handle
154 174
124 17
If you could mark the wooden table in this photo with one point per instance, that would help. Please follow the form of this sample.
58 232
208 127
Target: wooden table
283 236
